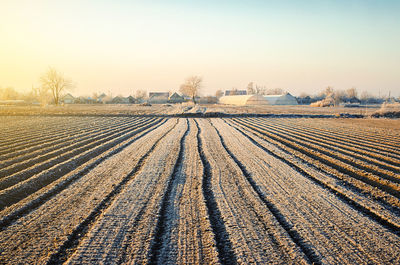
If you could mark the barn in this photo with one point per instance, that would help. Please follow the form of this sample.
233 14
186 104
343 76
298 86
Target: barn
158 97
285 99
242 100
68 99
176 98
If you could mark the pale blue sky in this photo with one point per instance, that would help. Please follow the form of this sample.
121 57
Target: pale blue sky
301 46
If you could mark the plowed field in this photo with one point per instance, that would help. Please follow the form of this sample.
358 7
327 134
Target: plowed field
159 190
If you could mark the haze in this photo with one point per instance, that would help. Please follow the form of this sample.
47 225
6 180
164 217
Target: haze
123 46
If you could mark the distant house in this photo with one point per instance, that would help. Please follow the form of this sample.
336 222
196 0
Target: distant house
242 100
80 100
285 99
234 92
101 98
119 100
158 94
90 100
131 100
175 98
158 97
68 99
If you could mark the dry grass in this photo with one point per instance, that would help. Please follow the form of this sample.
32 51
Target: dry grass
388 110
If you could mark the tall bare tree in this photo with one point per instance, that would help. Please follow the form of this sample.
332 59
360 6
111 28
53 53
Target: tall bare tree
260 90
352 92
191 87
56 83
41 94
250 89
219 93
140 95
8 93
275 91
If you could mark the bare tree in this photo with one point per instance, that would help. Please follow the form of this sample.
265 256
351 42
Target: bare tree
250 89
219 93
140 95
41 94
8 93
191 87
275 91
339 96
56 83
351 93
260 90
327 92
234 91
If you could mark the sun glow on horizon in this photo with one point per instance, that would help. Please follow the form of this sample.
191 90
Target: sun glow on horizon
125 46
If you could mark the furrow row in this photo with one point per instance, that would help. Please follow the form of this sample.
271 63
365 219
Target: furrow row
356 135
342 178
376 166
33 183
40 155
325 223
48 144
20 139
345 166
294 235
125 230
35 200
388 155
255 234
223 243
72 211
386 216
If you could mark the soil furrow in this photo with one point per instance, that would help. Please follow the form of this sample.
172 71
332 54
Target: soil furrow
345 142
51 144
330 226
167 206
35 200
373 140
369 157
41 164
22 189
294 235
342 179
360 163
255 234
133 213
45 134
68 213
23 162
223 244
383 215
348 169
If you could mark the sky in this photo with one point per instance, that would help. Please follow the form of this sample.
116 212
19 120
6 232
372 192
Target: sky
122 46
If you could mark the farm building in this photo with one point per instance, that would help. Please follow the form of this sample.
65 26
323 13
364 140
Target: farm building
120 100
234 92
158 94
102 98
243 100
285 99
158 97
68 99
176 98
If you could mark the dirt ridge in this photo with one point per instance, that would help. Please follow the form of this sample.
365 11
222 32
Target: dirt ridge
67 248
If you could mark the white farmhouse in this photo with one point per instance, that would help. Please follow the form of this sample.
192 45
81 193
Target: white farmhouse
242 100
